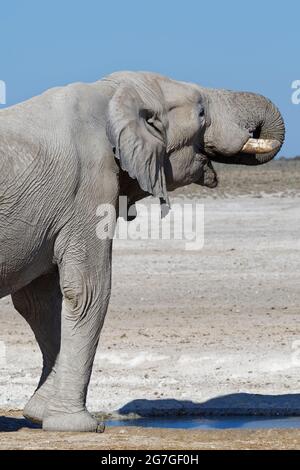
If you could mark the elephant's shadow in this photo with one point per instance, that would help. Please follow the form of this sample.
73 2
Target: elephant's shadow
12 424
235 404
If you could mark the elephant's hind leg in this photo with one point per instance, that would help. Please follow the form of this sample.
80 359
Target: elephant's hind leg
40 304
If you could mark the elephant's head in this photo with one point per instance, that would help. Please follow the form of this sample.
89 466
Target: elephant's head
166 133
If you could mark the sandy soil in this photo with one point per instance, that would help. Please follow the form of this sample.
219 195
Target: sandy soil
16 437
210 331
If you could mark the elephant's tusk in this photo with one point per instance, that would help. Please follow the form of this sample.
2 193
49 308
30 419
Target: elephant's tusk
261 146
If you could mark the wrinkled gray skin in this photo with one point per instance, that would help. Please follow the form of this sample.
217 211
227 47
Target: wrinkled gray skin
67 151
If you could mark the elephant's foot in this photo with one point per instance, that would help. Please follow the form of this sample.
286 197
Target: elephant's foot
82 421
36 408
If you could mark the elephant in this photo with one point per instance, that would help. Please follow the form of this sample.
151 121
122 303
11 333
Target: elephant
72 148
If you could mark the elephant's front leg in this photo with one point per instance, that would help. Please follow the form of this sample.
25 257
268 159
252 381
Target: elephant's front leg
85 278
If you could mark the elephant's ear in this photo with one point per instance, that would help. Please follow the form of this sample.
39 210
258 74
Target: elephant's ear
137 133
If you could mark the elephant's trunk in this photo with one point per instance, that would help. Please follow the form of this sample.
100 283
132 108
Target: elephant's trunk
264 123
271 131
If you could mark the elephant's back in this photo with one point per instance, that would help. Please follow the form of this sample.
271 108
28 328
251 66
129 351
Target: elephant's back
35 141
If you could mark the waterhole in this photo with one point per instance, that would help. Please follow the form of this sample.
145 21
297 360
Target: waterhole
224 422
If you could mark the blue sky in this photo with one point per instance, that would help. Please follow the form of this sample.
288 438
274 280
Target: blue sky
231 44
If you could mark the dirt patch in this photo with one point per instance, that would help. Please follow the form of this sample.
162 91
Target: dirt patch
122 438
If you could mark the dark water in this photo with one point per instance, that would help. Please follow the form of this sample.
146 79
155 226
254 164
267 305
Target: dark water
224 422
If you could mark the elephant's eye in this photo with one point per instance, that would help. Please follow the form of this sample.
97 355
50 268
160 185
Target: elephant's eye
156 125
152 123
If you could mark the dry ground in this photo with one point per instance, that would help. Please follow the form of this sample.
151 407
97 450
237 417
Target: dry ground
215 330
122 438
